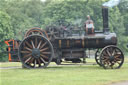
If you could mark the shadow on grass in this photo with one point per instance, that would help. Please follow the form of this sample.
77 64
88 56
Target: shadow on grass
60 67
74 67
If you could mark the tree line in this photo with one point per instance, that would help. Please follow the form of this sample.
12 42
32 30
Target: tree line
17 16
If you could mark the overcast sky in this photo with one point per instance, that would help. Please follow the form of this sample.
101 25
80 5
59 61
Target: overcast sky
43 0
111 3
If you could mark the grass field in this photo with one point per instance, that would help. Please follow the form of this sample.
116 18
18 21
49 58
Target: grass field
62 75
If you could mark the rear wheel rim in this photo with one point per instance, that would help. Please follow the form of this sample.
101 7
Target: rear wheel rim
36 31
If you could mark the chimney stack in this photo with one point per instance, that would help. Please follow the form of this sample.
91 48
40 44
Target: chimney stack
105 19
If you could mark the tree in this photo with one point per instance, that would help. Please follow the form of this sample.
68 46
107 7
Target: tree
123 7
73 11
6 31
117 26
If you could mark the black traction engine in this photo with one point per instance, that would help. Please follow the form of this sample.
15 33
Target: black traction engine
57 44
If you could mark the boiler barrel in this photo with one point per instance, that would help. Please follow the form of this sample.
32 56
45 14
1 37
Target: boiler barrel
90 41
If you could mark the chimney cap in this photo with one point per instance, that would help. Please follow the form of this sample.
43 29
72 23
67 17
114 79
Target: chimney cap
104 6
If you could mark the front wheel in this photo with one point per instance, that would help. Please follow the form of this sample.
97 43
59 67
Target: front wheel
97 57
111 57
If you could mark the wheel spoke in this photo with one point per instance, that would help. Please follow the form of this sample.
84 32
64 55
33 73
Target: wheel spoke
106 57
25 52
27 55
44 56
43 45
117 55
35 42
28 49
43 49
105 60
118 59
27 60
46 52
105 53
113 52
32 59
108 52
39 62
35 63
43 60
39 44
32 44
28 44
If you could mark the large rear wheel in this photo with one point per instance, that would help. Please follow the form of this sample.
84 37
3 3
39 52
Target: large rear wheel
35 51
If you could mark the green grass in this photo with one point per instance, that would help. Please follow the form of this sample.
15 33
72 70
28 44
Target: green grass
63 75
9 64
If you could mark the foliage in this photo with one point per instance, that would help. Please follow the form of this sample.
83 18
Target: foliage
22 18
74 12
123 7
114 19
6 31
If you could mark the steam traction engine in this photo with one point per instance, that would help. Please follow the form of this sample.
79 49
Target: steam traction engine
40 47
